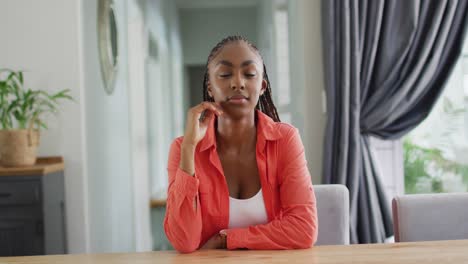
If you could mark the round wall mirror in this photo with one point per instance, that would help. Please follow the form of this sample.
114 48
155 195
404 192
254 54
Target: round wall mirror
108 43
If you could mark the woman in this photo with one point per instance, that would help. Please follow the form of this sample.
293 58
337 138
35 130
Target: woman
238 178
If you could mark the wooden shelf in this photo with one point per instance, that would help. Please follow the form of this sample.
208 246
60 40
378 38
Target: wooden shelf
43 166
156 203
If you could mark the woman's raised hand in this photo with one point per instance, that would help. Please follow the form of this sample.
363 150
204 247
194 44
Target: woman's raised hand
198 119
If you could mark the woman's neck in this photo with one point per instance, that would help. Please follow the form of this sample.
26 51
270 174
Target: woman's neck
237 136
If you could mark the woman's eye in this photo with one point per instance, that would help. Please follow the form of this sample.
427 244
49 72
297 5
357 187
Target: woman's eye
250 74
224 75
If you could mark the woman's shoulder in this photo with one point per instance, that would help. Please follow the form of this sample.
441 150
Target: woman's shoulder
178 139
284 126
286 130
176 142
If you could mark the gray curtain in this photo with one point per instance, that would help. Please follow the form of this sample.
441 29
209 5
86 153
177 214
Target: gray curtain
386 63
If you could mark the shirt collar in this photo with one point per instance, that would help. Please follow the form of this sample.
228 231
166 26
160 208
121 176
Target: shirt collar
266 130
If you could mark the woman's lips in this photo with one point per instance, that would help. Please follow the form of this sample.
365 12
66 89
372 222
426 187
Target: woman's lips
237 99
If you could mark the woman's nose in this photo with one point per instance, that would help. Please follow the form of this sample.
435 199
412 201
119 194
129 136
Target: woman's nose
237 82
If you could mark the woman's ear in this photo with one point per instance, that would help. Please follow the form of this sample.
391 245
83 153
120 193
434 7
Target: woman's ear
208 88
264 86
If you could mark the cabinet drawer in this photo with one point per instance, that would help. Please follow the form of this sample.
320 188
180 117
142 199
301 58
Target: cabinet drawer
19 192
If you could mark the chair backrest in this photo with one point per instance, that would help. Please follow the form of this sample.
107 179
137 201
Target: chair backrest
425 217
333 214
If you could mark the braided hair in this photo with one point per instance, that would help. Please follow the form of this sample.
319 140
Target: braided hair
265 103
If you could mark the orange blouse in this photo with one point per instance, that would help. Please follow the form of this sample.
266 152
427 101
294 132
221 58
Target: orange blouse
286 186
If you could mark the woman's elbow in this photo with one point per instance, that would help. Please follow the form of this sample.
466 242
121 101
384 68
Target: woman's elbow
309 235
185 248
182 244
180 240
306 241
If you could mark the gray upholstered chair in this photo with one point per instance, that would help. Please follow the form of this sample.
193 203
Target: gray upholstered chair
333 214
425 217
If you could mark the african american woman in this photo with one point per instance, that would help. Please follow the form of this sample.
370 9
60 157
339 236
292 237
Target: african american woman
238 178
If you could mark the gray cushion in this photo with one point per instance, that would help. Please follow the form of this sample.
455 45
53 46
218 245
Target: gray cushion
333 214
425 217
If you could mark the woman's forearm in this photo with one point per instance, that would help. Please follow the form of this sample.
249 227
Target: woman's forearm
182 221
187 158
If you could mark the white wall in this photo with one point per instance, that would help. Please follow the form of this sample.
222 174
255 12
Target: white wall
111 206
265 31
307 81
266 39
177 66
43 38
137 53
306 72
202 28
165 99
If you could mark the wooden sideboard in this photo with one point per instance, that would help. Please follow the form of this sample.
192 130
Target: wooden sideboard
32 209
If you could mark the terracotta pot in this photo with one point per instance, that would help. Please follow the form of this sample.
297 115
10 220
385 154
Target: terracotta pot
18 147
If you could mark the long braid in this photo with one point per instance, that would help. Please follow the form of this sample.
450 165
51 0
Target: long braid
265 103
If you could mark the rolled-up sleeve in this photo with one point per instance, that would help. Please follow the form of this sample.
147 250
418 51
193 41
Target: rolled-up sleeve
183 221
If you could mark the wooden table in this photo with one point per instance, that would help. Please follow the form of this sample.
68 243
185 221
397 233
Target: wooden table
455 251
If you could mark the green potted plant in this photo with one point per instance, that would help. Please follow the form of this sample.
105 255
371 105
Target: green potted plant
22 114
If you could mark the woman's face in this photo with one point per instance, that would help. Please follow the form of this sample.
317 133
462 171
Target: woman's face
236 79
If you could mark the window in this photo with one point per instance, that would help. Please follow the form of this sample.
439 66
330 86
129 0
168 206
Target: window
436 152
282 62
282 56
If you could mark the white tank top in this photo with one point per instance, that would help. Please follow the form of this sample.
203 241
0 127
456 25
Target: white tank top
247 212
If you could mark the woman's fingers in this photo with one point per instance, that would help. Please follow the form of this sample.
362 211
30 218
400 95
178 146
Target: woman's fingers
207 106
198 118
203 115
